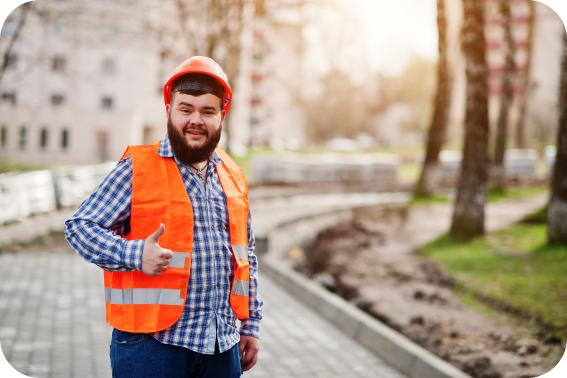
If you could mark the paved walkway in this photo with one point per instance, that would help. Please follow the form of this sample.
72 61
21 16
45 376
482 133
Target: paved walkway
52 325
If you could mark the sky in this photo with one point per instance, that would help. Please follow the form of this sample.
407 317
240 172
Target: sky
397 30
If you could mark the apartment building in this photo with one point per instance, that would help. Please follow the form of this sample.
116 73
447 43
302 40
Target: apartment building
83 82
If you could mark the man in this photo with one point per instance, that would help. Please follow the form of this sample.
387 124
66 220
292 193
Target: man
170 226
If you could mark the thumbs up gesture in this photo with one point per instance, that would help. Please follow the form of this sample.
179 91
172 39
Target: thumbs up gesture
155 259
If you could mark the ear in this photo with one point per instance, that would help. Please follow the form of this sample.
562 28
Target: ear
223 114
167 109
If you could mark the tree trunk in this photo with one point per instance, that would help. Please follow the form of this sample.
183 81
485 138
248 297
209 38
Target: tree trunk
430 175
523 96
506 98
468 213
557 215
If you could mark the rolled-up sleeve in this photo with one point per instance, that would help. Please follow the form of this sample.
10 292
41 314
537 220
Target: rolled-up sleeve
95 230
251 325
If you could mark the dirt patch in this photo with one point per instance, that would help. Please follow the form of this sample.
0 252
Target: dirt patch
372 261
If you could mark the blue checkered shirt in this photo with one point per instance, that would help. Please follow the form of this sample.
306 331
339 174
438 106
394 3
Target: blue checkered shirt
207 315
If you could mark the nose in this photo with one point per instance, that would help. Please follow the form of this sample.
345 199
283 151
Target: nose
196 119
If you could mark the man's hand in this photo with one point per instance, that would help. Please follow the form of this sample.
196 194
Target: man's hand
155 259
252 346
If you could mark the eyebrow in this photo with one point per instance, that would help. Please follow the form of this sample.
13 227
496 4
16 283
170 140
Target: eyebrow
206 107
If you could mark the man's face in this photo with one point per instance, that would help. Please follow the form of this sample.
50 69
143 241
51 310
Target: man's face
195 123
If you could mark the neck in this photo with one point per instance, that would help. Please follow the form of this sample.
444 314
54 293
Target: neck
200 165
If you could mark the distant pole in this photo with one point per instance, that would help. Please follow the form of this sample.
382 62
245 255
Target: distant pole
468 213
557 213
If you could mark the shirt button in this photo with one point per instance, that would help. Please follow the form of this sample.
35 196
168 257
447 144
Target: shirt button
218 254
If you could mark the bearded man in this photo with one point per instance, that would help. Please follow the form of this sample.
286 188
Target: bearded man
170 226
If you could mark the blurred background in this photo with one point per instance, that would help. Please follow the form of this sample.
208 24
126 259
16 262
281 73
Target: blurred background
455 105
81 80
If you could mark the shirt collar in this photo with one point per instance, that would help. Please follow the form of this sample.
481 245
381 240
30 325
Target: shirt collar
166 150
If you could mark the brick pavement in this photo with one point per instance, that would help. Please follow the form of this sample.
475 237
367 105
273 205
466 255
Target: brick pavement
52 325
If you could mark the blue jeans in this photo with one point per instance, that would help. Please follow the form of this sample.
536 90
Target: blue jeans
138 355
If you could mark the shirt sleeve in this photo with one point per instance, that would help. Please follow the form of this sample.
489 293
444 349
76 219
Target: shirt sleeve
94 230
251 326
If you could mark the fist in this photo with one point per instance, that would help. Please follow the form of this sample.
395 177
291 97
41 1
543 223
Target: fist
155 259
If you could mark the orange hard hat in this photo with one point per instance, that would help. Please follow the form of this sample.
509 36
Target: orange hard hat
203 65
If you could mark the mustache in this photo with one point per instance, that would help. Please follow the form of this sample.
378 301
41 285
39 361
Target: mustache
191 128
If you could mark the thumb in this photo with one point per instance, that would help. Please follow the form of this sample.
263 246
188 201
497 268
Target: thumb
156 235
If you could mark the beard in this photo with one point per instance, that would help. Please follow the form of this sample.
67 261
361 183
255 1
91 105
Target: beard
187 154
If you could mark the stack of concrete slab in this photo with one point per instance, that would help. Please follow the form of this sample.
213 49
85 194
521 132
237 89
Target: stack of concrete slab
304 169
73 184
23 194
518 164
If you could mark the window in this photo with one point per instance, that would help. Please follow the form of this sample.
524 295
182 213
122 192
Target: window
43 138
23 134
58 64
3 136
110 31
61 28
57 99
65 139
107 103
9 97
108 67
12 62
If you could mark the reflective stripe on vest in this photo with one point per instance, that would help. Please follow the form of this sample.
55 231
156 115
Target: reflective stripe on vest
143 296
139 303
178 259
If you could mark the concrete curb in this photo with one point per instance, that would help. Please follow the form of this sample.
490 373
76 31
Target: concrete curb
396 349
31 228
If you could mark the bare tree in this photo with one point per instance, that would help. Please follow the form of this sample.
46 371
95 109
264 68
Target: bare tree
338 111
429 179
557 216
468 213
506 98
14 35
520 126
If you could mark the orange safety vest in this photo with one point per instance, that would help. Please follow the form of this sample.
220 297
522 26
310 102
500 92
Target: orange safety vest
136 302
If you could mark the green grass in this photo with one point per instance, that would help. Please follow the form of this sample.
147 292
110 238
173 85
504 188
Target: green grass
435 198
409 172
492 196
8 166
521 192
515 267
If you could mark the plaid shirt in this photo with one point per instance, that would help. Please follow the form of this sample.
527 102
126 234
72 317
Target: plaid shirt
207 313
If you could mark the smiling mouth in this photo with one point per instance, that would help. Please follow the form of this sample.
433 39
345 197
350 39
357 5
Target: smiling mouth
193 132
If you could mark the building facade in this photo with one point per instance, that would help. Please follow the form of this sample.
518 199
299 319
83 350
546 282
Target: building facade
81 85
